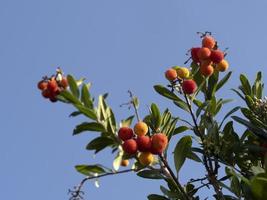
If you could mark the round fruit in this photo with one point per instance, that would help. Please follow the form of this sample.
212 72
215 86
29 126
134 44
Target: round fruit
140 128
171 74
222 66
146 158
194 54
159 143
64 82
143 143
52 85
46 93
189 86
125 133
206 70
203 53
130 146
124 163
208 41
216 56
183 72
42 85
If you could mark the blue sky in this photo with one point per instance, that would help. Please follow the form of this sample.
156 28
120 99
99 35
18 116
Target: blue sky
117 45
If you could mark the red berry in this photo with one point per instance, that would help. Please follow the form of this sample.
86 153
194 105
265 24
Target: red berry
52 85
46 93
42 85
189 86
159 143
216 56
194 56
125 133
130 146
143 143
64 82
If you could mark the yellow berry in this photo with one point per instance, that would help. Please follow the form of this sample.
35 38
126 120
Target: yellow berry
146 158
183 72
222 66
140 128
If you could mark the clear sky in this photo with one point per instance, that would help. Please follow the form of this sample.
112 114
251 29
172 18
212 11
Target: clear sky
117 45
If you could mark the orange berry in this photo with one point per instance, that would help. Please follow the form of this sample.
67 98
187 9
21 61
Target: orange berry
146 158
124 163
42 85
140 128
130 146
222 66
143 143
206 70
171 74
216 56
159 143
203 53
208 41
125 133
189 86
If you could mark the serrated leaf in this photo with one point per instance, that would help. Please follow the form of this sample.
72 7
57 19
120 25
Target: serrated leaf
166 93
88 170
70 97
156 115
73 86
87 112
150 174
89 126
181 150
156 197
127 122
99 143
223 80
180 129
245 84
85 97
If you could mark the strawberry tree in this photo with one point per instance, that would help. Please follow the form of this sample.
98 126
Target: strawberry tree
234 159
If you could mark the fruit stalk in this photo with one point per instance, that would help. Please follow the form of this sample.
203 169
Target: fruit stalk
164 161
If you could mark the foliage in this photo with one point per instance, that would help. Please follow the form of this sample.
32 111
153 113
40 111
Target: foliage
211 140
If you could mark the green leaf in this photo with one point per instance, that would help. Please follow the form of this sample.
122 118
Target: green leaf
89 170
181 104
259 186
257 131
180 129
238 93
69 97
99 144
245 85
127 122
150 174
181 150
75 113
223 80
87 112
117 160
89 126
156 197
229 113
156 115
73 86
166 93
85 97
193 156
212 85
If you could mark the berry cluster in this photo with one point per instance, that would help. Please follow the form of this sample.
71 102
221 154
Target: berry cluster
209 57
51 87
138 142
